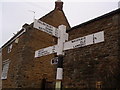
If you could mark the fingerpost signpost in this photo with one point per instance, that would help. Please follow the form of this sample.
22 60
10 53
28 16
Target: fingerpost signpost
63 44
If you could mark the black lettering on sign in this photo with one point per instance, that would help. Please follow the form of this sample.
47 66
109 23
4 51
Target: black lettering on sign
75 40
94 38
41 28
56 32
53 49
82 42
48 30
42 52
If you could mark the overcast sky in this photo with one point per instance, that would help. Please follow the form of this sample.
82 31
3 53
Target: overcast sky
15 13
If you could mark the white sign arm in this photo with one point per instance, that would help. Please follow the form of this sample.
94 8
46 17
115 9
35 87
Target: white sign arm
75 43
84 41
38 24
46 51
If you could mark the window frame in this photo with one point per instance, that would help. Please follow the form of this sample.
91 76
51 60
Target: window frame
5 69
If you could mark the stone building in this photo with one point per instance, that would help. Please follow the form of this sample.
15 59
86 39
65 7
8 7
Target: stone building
20 68
96 65
92 66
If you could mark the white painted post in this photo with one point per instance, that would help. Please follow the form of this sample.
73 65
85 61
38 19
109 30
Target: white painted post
62 37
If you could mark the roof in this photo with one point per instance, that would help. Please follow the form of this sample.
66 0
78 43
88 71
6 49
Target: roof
55 18
14 37
95 19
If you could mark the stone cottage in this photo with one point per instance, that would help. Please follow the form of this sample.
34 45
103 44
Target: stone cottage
92 66
20 68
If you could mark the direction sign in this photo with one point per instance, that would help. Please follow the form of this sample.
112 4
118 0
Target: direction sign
75 43
45 27
62 45
84 41
46 51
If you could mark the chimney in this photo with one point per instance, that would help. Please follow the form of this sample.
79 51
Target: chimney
59 5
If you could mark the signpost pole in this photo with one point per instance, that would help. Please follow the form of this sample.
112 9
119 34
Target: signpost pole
59 75
61 40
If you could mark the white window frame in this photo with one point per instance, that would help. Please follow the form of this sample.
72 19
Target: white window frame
5 69
10 48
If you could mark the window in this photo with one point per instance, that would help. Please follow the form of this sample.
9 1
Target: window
99 84
5 69
9 48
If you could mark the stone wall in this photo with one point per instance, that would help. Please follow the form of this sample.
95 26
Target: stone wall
25 71
96 65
